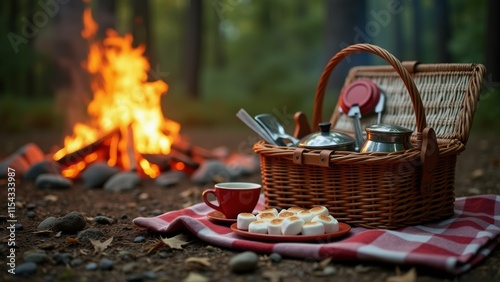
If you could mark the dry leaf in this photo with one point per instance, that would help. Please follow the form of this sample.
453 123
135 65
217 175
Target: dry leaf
58 234
200 260
98 246
410 276
324 263
156 245
274 276
84 252
175 242
195 277
72 241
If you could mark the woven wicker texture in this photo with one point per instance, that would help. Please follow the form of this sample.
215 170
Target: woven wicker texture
381 190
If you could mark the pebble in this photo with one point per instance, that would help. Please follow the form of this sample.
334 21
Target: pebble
46 166
37 256
31 153
329 270
30 207
170 178
106 264
90 233
124 255
150 275
76 262
70 223
26 268
275 257
122 181
101 219
156 212
210 170
62 258
52 181
31 214
163 254
139 239
124 216
244 262
97 174
129 267
47 223
16 162
18 227
91 266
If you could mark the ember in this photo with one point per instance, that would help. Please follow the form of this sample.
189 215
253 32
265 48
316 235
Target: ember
125 113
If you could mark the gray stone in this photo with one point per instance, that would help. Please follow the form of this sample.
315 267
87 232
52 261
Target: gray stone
76 262
244 262
26 268
91 266
129 267
106 264
329 270
52 181
139 239
275 257
46 166
47 223
31 214
15 162
150 275
101 219
70 223
122 181
18 226
90 233
62 258
30 207
97 174
210 170
37 256
170 178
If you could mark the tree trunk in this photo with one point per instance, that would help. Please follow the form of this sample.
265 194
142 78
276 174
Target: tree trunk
442 28
141 30
492 41
192 49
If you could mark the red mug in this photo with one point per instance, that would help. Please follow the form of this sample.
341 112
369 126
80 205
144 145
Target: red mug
233 197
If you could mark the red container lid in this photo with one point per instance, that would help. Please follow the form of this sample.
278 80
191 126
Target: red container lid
363 92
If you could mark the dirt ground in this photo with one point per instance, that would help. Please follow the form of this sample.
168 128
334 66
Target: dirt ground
477 173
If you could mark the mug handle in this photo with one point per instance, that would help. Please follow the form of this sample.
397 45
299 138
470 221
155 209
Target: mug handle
204 195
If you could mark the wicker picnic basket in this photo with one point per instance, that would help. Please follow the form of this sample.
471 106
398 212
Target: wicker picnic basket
383 190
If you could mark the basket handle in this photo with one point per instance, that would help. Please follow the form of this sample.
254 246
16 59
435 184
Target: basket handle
395 63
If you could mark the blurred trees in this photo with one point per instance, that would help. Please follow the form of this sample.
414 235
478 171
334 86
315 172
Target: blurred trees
254 53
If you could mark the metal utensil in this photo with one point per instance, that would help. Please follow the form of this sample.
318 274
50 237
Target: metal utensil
355 113
252 124
379 108
276 130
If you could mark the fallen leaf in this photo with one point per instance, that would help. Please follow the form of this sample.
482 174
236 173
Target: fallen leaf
58 234
195 277
410 276
201 260
175 242
72 241
84 252
324 263
155 246
98 246
274 276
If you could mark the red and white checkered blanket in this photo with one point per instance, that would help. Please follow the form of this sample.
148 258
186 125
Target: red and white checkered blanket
453 245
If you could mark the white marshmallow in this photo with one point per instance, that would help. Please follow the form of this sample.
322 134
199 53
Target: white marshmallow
244 219
292 225
285 213
265 216
313 228
306 215
318 210
295 210
274 226
330 223
259 226
273 210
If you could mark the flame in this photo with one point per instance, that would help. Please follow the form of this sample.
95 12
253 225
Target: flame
122 97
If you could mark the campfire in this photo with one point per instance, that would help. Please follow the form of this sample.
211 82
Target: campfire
126 119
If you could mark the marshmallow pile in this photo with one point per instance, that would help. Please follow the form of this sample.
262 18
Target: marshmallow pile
291 221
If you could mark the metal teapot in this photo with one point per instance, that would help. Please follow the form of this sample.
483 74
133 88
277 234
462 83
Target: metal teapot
387 138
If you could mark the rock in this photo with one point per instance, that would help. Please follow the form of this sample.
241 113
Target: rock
52 181
90 233
26 268
62 258
210 170
244 262
97 174
106 264
150 275
275 257
70 223
18 226
31 153
243 164
31 214
15 162
76 262
30 207
46 166
91 266
37 256
329 270
122 181
170 178
47 223
139 239
129 267
101 219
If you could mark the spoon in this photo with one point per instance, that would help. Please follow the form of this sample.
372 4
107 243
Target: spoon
271 124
